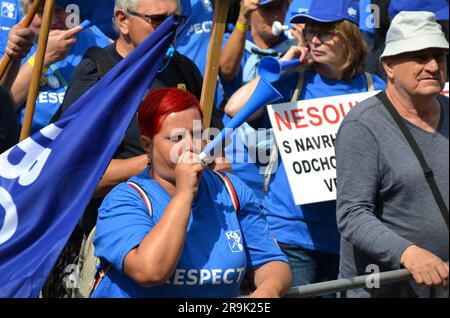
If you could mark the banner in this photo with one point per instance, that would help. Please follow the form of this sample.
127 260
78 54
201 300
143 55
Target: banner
47 180
305 133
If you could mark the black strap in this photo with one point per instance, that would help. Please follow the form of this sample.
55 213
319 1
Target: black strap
412 142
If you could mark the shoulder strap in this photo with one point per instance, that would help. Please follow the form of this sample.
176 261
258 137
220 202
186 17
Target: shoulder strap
413 144
298 87
105 267
230 188
103 61
143 195
369 80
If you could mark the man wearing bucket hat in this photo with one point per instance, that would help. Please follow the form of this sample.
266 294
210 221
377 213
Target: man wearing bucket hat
392 210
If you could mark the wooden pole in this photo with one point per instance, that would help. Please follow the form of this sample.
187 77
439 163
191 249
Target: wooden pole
25 23
37 70
213 60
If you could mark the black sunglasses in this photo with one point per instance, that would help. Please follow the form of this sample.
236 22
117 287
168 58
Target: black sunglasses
157 19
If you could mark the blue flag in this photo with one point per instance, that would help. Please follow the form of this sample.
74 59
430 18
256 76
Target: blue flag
47 180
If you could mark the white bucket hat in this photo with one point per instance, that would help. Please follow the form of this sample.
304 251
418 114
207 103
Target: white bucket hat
412 31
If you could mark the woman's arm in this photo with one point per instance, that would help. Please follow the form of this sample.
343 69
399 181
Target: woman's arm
272 280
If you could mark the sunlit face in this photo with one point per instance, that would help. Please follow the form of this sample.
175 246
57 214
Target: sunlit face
58 19
138 28
325 44
264 17
419 73
180 132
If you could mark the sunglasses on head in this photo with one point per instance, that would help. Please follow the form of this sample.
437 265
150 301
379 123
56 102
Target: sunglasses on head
157 19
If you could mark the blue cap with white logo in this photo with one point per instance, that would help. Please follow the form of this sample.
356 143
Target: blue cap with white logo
438 7
330 11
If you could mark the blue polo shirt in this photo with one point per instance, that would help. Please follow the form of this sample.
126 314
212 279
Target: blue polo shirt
10 15
220 245
55 80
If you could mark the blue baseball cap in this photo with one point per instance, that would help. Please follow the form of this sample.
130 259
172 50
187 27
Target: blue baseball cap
438 7
330 11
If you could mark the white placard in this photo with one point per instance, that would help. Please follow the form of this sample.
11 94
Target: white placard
305 133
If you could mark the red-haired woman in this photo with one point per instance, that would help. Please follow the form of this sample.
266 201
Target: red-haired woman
177 230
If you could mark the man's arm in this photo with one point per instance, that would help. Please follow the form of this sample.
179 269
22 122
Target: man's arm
59 44
233 50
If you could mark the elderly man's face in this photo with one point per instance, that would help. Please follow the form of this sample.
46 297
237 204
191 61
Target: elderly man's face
139 28
263 18
418 73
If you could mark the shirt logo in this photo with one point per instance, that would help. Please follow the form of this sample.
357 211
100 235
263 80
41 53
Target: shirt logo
234 239
352 12
8 10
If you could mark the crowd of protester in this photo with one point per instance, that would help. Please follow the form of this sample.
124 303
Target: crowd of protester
168 227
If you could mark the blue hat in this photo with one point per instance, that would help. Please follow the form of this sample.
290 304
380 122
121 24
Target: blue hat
435 6
330 11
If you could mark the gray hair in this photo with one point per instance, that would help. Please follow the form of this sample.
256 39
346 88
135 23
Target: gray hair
124 5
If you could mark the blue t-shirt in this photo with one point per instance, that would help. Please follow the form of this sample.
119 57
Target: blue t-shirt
311 226
56 79
10 15
220 246
193 37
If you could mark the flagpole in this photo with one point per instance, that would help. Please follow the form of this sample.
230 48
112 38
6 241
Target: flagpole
37 69
213 59
25 23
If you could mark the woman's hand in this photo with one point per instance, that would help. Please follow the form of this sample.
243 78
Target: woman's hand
187 174
298 52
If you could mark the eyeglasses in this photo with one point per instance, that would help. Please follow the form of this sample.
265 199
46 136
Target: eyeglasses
324 35
157 19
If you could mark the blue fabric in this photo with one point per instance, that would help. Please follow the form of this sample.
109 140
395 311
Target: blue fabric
366 18
47 180
193 37
10 15
50 98
434 6
297 7
330 11
219 247
311 226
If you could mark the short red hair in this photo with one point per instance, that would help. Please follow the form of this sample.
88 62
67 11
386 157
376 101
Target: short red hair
159 104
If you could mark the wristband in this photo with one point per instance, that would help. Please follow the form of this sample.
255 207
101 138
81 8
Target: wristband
32 61
241 27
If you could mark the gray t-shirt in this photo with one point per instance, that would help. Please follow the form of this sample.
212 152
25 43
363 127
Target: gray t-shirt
384 203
